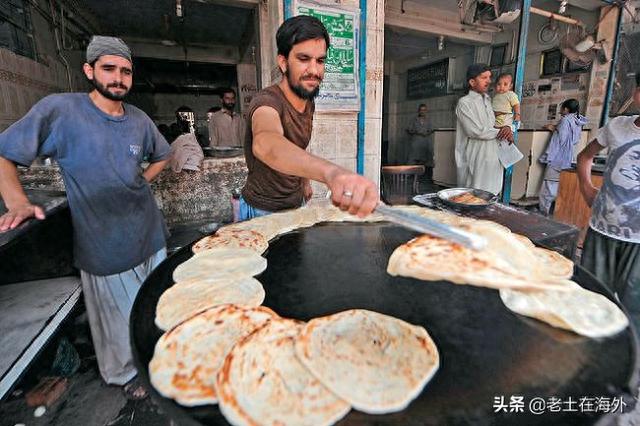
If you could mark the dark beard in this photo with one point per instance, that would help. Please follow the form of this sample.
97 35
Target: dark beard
228 107
300 91
104 92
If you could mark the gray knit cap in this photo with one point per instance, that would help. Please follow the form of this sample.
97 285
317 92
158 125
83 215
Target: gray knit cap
101 45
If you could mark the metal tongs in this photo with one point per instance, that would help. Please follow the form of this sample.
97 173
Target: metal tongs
431 227
428 226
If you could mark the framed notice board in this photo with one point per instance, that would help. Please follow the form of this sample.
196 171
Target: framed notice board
428 81
551 62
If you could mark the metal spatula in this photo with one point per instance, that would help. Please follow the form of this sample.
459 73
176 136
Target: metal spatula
431 227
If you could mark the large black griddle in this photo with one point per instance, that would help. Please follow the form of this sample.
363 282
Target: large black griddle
486 351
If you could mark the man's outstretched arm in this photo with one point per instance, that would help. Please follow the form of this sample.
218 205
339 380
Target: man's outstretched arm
350 191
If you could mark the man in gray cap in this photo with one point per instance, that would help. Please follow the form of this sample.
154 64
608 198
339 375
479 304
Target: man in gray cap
119 232
476 151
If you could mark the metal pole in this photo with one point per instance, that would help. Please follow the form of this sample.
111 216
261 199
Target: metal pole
520 61
362 72
288 9
612 73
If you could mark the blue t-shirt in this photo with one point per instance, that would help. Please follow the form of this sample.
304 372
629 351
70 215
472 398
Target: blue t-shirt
117 224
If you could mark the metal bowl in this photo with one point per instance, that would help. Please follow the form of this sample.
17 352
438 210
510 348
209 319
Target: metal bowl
447 194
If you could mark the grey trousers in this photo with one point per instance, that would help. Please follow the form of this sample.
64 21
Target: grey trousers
109 300
421 151
549 189
617 264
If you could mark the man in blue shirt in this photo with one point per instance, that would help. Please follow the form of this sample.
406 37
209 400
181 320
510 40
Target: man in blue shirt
119 232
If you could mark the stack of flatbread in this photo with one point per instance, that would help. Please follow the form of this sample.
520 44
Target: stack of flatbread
233 238
188 357
186 298
263 369
316 211
210 278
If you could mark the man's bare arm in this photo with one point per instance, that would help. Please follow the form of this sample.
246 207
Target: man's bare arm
272 148
154 170
18 205
585 161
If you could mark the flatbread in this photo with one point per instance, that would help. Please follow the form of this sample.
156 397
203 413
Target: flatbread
262 382
377 363
502 243
187 357
554 263
233 238
579 310
221 263
327 212
445 217
434 259
524 240
281 222
306 216
258 224
186 298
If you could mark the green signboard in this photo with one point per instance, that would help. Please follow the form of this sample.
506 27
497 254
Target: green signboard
339 90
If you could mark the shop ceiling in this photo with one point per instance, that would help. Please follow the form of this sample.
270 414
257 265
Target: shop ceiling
405 40
203 22
400 45
215 35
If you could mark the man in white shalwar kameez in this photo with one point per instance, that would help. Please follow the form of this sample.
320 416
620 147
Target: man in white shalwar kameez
476 150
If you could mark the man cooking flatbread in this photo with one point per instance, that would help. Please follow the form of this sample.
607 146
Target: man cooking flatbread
476 150
119 233
279 129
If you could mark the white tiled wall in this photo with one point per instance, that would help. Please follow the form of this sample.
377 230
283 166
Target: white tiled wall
335 135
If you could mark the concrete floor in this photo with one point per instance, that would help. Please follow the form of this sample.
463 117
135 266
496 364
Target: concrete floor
87 401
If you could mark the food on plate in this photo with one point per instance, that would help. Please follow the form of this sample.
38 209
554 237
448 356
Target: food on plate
468 198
